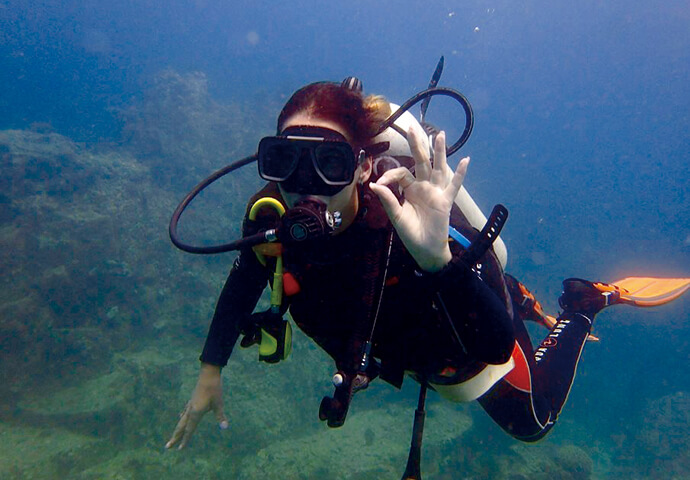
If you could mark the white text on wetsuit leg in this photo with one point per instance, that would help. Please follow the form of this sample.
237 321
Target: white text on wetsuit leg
551 340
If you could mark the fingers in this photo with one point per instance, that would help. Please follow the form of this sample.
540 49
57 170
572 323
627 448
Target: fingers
388 200
438 174
193 418
400 175
179 428
175 438
451 191
189 420
422 165
222 420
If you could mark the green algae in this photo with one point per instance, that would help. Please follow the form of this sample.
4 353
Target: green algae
39 452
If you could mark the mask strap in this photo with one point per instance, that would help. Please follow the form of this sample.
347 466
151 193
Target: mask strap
376 149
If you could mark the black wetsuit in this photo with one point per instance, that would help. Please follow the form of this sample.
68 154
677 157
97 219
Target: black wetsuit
527 401
457 320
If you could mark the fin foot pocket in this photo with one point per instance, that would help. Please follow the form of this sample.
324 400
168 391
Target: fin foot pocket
583 296
528 307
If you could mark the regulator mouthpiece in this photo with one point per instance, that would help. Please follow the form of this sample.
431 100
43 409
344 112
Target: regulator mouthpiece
308 220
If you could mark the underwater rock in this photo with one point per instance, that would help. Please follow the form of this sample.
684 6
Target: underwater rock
339 453
82 237
31 452
178 128
152 463
665 436
117 405
574 461
543 461
40 163
110 426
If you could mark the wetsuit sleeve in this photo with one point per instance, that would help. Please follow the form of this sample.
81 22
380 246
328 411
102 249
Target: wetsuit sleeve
241 292
477 313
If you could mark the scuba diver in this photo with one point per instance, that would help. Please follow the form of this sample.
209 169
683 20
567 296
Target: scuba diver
368 238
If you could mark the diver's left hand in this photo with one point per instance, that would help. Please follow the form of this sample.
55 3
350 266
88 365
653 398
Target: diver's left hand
422 220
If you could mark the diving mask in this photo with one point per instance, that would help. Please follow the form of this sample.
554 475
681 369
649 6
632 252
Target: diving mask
308 160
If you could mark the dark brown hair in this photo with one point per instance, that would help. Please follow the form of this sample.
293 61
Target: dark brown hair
359 116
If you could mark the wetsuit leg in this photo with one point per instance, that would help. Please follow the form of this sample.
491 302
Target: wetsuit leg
527 401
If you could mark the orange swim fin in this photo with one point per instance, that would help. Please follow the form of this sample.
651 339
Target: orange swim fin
646 291
635 291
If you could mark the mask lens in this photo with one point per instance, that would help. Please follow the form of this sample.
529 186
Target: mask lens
277 160
336 162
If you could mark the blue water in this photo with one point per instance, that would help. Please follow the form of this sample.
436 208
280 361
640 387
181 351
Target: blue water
582 130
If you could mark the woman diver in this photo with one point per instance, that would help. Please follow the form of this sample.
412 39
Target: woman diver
387 292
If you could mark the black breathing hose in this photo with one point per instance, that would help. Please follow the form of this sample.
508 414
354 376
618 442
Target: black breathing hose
227 247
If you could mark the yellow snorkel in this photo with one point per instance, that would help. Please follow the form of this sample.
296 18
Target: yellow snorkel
276 332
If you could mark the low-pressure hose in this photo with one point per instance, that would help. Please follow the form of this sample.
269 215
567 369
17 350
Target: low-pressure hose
430 92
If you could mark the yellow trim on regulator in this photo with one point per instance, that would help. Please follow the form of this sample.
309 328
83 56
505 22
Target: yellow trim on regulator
269 344
266 202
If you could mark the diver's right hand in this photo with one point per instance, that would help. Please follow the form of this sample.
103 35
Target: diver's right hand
208 395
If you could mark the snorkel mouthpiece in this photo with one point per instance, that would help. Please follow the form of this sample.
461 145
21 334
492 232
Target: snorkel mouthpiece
309 219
